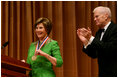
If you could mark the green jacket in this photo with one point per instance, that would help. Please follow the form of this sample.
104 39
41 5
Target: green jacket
42 67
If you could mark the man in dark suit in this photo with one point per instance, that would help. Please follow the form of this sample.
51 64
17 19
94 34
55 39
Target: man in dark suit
104 45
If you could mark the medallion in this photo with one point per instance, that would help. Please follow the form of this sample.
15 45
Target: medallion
34 58
39 47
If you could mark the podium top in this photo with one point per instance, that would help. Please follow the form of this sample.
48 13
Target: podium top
14 62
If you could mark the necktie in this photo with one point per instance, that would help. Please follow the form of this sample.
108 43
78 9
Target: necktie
100 32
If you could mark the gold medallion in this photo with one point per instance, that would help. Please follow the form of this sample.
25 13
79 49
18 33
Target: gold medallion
34 58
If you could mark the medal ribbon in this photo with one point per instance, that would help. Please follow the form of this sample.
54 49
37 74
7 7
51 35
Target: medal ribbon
44 41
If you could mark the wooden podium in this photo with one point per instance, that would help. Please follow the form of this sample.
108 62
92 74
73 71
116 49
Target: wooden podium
11 67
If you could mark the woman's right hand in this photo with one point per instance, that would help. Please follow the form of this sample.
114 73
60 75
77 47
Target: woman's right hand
23 61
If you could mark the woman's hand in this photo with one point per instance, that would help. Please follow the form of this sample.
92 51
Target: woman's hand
50 58
23 61
39 52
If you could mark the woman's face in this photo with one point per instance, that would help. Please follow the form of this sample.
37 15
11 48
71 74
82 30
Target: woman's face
40 31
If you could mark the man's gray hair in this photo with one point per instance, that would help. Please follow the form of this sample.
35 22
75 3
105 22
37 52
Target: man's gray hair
103 10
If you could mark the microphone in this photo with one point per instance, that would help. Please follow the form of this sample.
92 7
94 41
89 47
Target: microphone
5 44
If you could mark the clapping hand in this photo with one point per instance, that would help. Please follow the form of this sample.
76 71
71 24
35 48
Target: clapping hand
84 35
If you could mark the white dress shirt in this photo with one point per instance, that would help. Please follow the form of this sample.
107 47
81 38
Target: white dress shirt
92 37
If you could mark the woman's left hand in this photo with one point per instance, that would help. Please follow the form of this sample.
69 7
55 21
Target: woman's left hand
50 58
39 52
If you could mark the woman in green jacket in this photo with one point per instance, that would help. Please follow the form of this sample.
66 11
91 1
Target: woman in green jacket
44 53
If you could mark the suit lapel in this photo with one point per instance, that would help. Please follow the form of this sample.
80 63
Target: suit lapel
107 31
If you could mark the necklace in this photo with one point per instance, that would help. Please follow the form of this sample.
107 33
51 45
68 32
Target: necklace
34 57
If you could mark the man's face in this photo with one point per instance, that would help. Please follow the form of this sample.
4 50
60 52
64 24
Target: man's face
99 18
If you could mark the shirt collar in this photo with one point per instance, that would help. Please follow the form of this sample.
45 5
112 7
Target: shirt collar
105 28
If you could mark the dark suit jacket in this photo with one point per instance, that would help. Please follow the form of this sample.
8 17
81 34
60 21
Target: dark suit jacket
105 51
